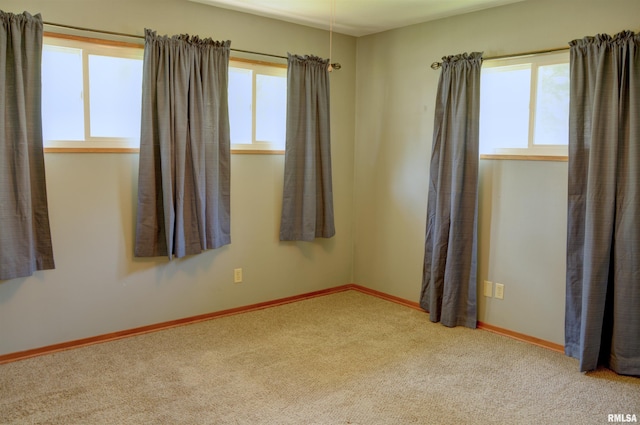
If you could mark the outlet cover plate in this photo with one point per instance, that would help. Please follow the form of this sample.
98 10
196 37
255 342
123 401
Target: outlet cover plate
488 288
237 275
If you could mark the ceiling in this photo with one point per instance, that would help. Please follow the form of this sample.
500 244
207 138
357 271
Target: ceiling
357 17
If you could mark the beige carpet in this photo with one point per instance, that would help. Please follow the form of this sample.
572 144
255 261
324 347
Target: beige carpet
346 358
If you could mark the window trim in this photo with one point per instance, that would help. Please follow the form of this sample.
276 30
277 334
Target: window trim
531 152
263 68
553 158
104 47
68 147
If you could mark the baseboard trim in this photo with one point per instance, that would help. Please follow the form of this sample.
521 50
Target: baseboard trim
481 325
387 297
521 337
50 349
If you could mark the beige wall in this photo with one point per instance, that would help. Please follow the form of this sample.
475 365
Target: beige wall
522 204
97 286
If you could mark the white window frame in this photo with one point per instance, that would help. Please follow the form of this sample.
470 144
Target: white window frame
102 47
532 151
259 68
92 46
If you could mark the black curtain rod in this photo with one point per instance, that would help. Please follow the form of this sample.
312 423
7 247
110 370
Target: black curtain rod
121 34
437 65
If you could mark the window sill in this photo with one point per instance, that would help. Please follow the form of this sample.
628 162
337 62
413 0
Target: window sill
556 158
256 152
137 150
91 150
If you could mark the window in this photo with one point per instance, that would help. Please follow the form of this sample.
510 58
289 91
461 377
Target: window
257 106
524 105
91 93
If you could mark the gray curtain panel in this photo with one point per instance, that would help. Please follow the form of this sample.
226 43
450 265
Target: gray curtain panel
25 236
602 324
450 259
307 202
184 174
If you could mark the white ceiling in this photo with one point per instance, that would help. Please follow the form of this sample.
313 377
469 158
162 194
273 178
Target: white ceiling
357 17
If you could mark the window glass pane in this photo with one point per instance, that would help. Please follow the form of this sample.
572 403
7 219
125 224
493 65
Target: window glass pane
240 105
115 96
62 104
552 105
271 109
504 107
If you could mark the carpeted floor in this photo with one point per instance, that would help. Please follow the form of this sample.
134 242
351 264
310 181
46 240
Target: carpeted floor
345 358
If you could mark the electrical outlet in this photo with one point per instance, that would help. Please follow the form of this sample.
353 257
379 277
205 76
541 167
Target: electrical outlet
488 288
499 291
237 275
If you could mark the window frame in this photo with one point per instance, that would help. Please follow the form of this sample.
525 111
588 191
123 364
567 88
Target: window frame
258 68
102 47
547 152
121 145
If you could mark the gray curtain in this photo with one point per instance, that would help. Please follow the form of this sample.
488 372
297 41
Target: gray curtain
307 202
183 182
25 236
450 258
602 325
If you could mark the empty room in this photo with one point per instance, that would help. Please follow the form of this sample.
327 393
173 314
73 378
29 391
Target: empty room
319 212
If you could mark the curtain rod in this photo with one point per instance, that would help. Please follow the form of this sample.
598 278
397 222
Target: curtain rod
121 34
437 65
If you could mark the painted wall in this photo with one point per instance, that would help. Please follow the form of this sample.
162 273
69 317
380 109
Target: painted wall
380 183
522 212
97 286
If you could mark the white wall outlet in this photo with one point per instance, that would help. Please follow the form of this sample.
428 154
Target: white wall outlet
488 288
499 291
237 275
